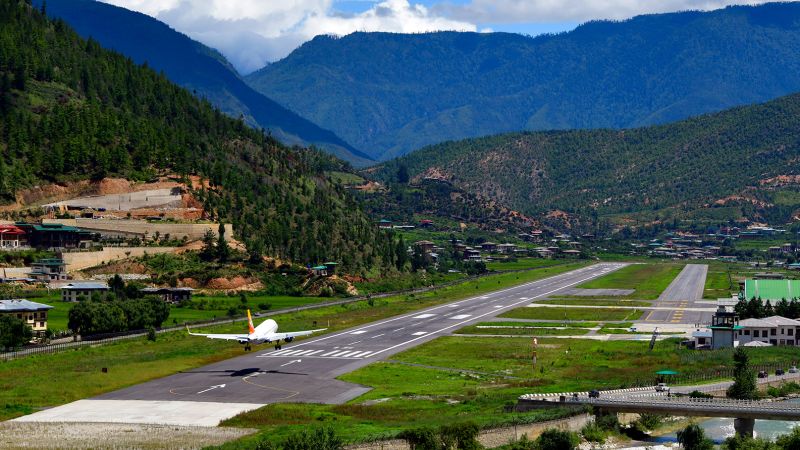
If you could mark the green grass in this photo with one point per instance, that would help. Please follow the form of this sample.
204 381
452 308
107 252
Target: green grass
522 264
648 280
58 378
592 314
539 324
523 330
718 283
591 301
410 396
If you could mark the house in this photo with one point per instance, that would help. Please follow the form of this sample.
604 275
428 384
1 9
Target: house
775 330
424 246
48 269
426 223
572 253
78 290
34 314
56 235
471 254
385 223
506 248
170 294
12 237
489 247
320 271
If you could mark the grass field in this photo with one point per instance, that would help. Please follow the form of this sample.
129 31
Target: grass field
522 264
408 396
590 314
648 280
718 282
523 330
54 379
590 301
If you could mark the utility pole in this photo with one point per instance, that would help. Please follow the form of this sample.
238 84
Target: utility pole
535 345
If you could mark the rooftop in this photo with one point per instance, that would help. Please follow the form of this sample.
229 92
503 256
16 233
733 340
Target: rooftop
769 322
85 285
772 289
165 289
21 305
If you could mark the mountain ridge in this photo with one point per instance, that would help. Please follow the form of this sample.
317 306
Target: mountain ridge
196 67
393 93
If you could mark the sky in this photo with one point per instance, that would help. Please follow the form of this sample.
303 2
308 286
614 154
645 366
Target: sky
253 33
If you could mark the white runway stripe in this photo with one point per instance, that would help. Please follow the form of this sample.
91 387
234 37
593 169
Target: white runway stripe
347 354
361 354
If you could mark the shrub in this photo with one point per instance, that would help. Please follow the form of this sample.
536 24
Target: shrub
424 438
554 439
264 306
151 334
694 438
319 439
648 422
593 433
607 422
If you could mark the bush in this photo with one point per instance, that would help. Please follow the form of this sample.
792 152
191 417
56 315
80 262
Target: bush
554 439
460 436
264 306
737 442
648 422
607 422
694 438
593 433
522 444
151 334
424 438
791 440
698 394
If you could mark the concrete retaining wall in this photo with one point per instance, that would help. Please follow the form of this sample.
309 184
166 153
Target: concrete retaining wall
495 437
84 260
129 228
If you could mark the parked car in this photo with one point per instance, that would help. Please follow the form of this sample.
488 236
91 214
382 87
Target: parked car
793 369
594 394
779 372
762 374
662 387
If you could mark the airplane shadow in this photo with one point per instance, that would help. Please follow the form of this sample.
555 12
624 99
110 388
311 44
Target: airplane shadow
245 372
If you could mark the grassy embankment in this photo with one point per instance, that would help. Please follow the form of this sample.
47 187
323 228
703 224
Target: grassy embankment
53 379
647 280
495 373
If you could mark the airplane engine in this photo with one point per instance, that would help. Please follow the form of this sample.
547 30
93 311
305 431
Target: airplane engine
243 341
289 339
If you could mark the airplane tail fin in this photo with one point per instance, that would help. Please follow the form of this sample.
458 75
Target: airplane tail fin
250 323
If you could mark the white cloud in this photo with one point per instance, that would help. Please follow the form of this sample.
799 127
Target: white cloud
517 11
252 32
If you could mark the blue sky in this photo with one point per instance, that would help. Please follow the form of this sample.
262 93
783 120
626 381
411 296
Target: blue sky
252 33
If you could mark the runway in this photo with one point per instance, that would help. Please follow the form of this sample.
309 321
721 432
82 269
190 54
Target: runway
306 371
680 301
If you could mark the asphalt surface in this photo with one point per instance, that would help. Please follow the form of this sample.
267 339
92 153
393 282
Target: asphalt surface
679 301
306 371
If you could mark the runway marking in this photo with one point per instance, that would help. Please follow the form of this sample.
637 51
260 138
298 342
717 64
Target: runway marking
359 332
460 316
291 393
401 328
419 333
597 272
377 336
361 354
354 343
498 306
330 353
423 316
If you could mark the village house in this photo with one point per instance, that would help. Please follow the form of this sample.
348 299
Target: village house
424 246
506 249
48 269
170 294
12 237
490 247
55 235
82 290
385 223
32 313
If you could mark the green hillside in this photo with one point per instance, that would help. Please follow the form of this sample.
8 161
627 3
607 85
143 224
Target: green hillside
715 167
389 94
71 110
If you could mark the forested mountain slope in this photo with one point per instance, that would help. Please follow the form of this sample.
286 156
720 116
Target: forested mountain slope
743 162
196 67
70 109
392 93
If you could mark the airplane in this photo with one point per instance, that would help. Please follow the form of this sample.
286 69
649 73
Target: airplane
266 332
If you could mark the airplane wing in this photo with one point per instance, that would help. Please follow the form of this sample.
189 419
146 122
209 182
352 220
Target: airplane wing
276 336
232 337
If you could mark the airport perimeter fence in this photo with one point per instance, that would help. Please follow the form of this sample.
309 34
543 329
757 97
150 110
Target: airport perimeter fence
98 339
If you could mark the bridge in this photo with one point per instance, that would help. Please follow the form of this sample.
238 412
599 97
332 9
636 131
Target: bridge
745 412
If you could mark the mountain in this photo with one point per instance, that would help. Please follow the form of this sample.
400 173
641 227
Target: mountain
739 163
196 67
392 93
71 110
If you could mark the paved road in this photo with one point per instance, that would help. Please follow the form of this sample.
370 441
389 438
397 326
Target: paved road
306 371
678 302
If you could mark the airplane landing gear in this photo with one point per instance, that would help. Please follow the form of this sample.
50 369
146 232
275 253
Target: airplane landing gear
247 347
278 345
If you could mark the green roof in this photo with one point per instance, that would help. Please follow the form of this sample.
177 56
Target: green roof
55 227
772 289
319 267
666 372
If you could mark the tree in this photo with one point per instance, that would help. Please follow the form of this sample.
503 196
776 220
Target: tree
318 439
117 286
402 174
401 254
14 332
424 438
208 251
694 438
744 378
555 439
223 251
790 441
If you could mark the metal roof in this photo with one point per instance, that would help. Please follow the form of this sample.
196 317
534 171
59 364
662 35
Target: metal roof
21 305
772 289
769 322
85 285
166 289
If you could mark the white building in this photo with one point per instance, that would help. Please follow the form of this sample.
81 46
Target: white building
78 290
775 330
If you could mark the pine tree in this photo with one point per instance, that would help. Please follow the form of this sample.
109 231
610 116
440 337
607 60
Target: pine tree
223 251
744 378
208 251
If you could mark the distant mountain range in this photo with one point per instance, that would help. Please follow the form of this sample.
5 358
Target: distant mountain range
196 67
389 94
739 163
